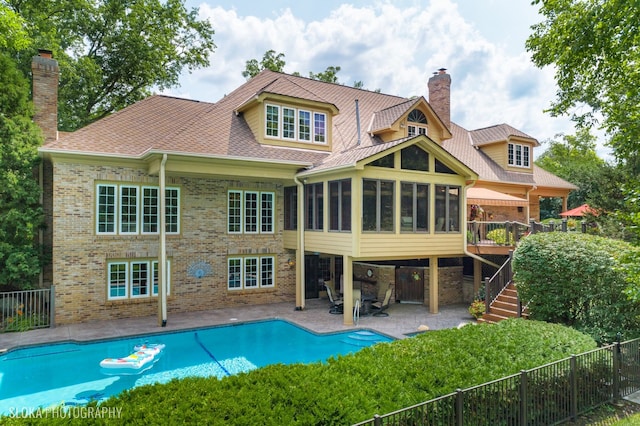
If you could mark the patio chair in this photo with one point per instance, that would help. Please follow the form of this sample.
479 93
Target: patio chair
379 308
336 304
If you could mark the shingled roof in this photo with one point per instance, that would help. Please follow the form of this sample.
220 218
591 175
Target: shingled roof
218 130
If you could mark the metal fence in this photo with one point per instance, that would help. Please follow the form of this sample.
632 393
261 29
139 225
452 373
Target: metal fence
26 310
546 395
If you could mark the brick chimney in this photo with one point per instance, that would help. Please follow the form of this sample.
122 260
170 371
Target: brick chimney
45 73
440 95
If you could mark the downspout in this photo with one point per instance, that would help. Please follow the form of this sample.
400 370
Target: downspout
466 226
300 270
162 253
533 188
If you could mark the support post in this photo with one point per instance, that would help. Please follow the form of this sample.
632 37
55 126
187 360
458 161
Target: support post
433 285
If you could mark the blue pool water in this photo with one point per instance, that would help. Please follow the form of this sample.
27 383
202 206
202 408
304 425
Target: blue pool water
69 373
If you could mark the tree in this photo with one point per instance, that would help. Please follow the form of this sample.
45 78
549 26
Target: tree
270 61
594 46
573 158
21 216
579 280
328 76
112 53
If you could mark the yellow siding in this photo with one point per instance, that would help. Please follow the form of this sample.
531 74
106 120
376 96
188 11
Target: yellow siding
328 242
497 152
289 239
254 119
408 246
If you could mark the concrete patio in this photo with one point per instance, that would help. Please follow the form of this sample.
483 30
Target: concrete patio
402 319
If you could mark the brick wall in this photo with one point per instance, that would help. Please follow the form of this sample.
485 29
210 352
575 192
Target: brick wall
81 256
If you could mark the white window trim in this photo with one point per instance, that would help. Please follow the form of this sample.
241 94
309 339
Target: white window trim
139 211
295 123
115 211
310 126
279 122
137 208
129 279
126 287
241 227
149 280
143 222
511 161
271 222
257 212
315 133
259 271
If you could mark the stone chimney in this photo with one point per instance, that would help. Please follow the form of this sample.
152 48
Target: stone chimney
45 73
440 95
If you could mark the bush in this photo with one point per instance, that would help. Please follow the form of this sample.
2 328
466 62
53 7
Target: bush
499 236
477 308
577 280
352 388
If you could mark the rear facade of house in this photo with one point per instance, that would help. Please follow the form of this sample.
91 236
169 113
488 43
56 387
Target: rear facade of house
287 183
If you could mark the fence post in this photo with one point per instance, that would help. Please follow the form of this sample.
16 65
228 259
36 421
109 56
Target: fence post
523 397
487 296
532 226
573 377
617 358
506 233
377 420
564 225
52 307
583 225
459 407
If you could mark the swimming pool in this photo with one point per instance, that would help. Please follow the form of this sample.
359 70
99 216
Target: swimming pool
69 373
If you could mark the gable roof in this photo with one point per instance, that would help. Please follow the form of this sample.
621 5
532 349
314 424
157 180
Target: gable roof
165 124
498 133
463 146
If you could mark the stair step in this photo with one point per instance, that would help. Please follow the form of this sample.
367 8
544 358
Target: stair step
491 318
502 312
505 304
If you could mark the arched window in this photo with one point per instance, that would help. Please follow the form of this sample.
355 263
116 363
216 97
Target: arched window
416 116
417 123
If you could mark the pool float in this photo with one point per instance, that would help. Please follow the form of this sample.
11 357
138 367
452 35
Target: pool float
143 355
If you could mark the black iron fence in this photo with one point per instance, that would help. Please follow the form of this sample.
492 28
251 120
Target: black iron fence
26 310
546 395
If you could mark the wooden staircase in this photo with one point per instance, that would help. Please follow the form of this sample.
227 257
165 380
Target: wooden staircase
505 306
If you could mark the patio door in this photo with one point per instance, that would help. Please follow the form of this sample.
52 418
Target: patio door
410 284
312 276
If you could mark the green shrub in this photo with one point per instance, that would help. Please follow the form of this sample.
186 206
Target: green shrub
499 236
352 388
577 280
477 308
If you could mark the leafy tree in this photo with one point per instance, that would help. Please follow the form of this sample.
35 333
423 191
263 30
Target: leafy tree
20 213
270 61
329 75
579 280
573 158
111 53
594 48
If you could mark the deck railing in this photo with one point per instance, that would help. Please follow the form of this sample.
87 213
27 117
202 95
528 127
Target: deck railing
26 310
507 233
550 394
498 282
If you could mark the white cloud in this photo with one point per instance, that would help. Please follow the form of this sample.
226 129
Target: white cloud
394 47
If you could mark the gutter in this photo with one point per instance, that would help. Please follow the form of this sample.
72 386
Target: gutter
162 253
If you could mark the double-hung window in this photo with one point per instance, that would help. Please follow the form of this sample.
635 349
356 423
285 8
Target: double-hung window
134 279
250 272
293 124
127 209
291 208
518 155
250 212
377 205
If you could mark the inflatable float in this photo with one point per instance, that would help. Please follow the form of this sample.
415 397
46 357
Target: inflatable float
142 356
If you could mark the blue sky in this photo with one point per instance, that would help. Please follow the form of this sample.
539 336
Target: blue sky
394 46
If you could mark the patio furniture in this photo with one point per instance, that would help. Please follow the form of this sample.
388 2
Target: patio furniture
379 308
336 304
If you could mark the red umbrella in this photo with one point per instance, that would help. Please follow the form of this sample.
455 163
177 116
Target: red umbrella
579 211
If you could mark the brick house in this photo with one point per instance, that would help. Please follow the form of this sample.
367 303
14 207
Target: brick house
174 205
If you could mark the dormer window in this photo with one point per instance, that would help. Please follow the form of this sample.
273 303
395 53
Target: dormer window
518 155
294 124
417 123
